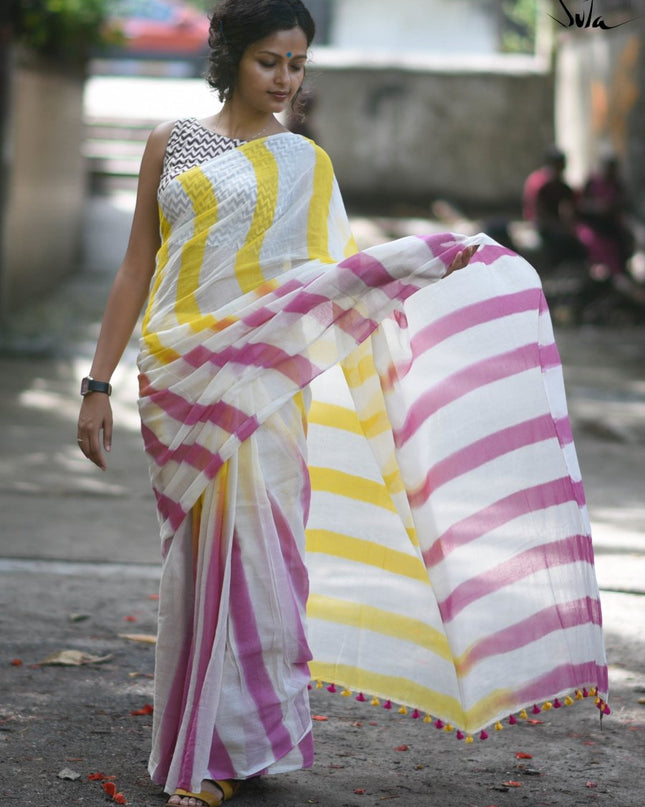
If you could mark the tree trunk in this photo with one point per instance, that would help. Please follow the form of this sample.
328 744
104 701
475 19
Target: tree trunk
5 103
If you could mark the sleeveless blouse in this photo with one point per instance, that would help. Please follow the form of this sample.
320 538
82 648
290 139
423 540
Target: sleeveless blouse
191 144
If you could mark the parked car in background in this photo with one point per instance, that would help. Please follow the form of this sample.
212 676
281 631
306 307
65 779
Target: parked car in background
159 30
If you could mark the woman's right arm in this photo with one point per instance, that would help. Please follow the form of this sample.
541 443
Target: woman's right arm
126 299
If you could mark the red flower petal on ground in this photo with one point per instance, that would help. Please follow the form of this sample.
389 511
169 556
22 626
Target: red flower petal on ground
16 662
320 718
512 784
591 784
360 791
109 788
96 777
148 709
153 596
522 755
402 748
119 798
130 618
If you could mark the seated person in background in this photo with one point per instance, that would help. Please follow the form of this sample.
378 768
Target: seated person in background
551 203
602 212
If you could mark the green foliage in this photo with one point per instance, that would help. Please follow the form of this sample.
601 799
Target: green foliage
204 5
64 31
520 20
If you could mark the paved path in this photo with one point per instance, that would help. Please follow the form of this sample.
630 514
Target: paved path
79 563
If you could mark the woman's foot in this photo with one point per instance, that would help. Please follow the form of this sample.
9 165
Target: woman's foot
213 793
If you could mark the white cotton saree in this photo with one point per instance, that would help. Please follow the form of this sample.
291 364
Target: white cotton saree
418 429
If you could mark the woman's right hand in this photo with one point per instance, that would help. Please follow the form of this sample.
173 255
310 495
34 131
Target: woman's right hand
462 259
95 417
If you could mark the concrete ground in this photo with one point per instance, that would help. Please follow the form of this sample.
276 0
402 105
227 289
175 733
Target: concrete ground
79 569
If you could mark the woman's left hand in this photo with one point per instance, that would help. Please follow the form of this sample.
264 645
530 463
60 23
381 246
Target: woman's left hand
462 259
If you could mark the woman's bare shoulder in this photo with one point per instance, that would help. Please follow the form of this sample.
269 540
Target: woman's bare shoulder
159 136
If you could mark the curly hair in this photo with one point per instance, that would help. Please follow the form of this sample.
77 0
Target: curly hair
236 24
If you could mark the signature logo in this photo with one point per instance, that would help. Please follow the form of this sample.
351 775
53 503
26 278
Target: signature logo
585 19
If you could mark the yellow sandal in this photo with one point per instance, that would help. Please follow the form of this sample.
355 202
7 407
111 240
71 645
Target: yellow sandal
229 788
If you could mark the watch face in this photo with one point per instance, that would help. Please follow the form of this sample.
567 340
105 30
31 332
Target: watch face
84 386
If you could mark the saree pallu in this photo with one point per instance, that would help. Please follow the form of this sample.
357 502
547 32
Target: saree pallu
418 429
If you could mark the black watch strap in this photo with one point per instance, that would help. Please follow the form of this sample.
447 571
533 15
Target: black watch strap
89 384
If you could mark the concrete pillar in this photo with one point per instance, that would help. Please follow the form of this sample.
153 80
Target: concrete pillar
46 182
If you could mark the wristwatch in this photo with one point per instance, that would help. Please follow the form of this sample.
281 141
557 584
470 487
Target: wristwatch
88 384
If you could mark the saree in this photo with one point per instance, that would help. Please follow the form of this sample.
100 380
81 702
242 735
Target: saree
417 429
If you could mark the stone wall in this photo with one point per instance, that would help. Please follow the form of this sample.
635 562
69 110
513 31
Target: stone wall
469 132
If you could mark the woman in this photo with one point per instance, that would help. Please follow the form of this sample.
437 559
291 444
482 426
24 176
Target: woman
256 290
603 226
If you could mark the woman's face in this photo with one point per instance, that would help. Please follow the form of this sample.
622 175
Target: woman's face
271 71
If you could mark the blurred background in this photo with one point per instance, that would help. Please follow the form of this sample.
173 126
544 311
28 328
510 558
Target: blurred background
434 114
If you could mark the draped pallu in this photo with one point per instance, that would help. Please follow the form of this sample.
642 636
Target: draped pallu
418 429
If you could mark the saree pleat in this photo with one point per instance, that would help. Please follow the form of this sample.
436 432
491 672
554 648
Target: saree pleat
239 563
447 548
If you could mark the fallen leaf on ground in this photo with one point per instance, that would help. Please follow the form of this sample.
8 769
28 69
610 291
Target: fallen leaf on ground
68 773
78 617
641 701
148 709
73 658
148 638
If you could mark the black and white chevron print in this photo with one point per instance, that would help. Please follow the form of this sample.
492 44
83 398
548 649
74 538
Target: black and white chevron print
190 144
